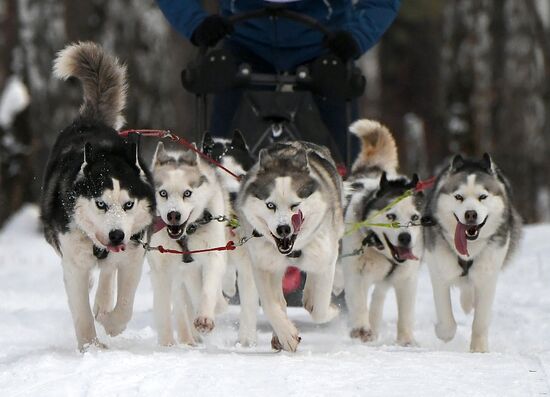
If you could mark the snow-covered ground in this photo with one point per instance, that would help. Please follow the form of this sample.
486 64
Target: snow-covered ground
38 354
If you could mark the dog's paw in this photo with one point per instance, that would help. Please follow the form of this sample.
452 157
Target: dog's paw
204 324
289 343
93 345
247 339
479 345
166 341
112 322
407 342
364 334
445 332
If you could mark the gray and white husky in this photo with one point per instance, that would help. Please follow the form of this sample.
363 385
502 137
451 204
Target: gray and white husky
97 196
476 231
391 256
235 155
188 196
292 200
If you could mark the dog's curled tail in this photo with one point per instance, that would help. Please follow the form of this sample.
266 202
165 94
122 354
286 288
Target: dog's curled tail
103 80
378 147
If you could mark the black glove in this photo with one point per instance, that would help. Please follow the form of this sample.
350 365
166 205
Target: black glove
211 30
343 45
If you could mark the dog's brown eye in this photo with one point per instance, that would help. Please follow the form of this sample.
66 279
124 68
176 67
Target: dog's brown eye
459 197
128 205
163 193
482 197
391 217
271 206
187 193
101 205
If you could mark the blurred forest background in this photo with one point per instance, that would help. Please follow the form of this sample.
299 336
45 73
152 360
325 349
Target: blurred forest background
450 76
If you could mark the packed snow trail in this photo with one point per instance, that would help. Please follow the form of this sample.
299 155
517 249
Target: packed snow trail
38 355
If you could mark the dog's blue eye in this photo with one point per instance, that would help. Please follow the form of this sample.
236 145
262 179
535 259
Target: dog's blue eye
271 206
163 193
482 197
128 205
459 197
101 204
391 217
187 193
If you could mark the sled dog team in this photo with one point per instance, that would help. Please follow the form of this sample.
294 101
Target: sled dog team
100 200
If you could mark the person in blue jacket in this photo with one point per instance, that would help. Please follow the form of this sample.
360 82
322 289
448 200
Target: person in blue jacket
356 26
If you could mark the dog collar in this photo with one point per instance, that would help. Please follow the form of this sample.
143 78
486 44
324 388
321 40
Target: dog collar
99 253
294 254
392 269
185 258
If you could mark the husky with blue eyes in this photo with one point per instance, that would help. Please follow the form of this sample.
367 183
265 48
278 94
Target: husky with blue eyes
390 257
476 232
291 200
189 196
97 197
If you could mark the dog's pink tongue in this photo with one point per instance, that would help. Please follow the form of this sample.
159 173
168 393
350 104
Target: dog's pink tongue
461 244
297 220
405 253
116 248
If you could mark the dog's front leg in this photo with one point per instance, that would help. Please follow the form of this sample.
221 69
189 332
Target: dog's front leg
318 292
161 280
129 274
77 283
445 328
212 274
269 288
356 289
405 294
104 297
484 292
377 308
249 302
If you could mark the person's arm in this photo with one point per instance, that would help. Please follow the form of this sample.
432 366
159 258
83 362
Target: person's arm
371 18
183 15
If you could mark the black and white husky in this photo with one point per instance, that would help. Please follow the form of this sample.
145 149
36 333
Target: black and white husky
476 232
391 256
235 155
189 195
96 196
292 201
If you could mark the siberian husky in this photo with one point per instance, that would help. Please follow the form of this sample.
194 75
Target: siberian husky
235 155
390 257
189 196
97 196
292 200
476 231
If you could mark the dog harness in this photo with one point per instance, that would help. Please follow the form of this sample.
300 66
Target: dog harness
465 265
189 230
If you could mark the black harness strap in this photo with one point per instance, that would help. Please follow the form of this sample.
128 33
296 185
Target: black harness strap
185 258
465 265
392 269
295 254
205 219
100 253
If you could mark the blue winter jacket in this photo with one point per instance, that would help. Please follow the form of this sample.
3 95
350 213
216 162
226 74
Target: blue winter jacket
289 44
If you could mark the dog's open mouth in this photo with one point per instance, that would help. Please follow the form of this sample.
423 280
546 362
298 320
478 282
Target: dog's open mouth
175 231
400 254
285 245
465 233
116 248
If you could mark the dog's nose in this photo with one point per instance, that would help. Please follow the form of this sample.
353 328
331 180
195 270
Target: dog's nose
174 217
116 236
283 230
470 216
404 239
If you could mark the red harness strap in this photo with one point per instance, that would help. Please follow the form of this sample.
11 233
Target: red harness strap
230 246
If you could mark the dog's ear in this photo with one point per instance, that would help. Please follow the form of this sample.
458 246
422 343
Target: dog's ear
189 156
160 156
300 160
457 163
414 181
383 181
207 143
238 141
264 159
487 163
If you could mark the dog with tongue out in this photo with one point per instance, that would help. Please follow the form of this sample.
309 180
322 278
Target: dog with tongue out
475 233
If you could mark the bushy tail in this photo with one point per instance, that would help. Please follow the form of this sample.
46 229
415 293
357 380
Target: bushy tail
103 80
378 147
